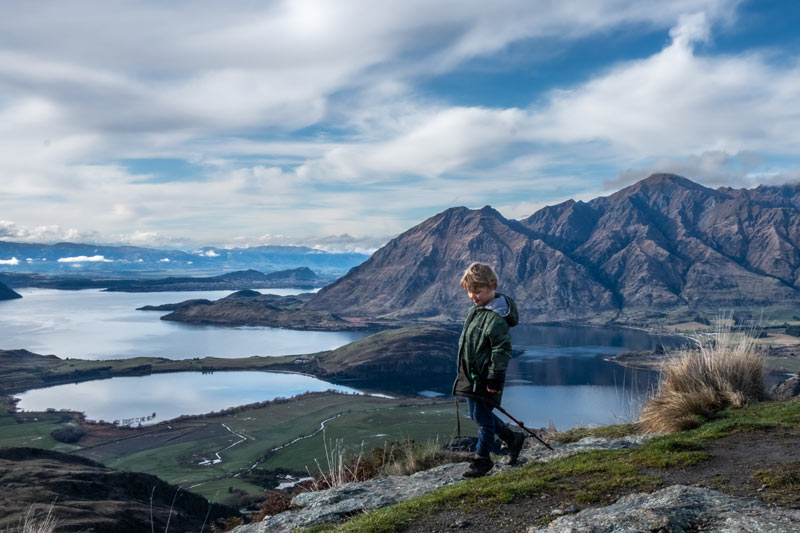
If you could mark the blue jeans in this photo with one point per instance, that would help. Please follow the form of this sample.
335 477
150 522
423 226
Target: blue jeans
488 424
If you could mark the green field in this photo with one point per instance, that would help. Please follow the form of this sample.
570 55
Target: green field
353 419
35 431
373 429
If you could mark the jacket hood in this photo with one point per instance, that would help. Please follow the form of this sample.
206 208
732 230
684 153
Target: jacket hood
505 307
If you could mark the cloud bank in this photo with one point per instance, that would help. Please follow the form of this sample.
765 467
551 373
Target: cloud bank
267 123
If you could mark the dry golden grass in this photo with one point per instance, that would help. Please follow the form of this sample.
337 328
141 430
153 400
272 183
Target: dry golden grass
725 370
409 457
36 522
393 459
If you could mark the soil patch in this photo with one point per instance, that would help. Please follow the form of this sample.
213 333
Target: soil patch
748 465
764 465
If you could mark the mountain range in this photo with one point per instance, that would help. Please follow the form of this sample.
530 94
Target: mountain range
82 259
665 248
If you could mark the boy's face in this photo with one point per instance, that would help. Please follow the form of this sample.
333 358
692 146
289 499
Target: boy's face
481 295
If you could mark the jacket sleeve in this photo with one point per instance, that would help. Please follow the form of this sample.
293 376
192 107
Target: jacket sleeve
500 341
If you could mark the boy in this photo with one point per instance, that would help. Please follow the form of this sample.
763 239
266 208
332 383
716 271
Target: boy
483 353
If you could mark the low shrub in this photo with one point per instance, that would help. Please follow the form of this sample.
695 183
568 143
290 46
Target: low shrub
794 330
724 371
276 502
68 435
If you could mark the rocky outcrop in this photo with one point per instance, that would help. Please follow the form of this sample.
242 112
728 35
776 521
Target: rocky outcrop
665 247
788 388
7 294
335 504
678 509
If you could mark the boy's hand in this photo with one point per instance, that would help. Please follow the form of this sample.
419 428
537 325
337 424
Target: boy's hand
494 383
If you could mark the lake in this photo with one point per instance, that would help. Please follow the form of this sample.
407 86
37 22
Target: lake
561 375
158 397
92 324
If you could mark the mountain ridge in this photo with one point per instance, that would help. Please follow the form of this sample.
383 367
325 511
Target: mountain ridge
664 248
83 258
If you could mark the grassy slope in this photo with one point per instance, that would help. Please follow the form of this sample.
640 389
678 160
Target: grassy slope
362 419
586 477
274 425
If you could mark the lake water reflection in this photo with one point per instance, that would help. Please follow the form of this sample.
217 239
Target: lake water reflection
92 324
561 374
130 400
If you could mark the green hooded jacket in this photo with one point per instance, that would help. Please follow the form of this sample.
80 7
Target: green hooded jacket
484 349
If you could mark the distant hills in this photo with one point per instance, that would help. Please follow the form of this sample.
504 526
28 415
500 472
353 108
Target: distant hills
72 258
665 248
251 308
298 278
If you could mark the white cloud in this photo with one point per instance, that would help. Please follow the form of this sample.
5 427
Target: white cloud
164 260
85 259
344 242
222 89
713 169
10 231
676 102
11 262
207 253
279 65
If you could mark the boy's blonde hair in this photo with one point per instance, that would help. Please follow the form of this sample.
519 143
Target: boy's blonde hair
478 275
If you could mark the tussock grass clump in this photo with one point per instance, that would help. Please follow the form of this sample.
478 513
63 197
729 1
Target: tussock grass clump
724 371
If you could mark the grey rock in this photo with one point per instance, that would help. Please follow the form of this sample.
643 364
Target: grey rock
788 388
533 451
334 504
678 509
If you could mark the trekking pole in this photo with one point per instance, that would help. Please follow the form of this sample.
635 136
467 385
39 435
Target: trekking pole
520 424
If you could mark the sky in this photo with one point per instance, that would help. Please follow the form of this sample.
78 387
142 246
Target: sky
342 124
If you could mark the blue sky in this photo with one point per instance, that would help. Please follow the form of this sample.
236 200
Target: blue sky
341 124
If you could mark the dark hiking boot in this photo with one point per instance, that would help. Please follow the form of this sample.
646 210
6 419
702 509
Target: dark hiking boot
480 467
514 447
513 441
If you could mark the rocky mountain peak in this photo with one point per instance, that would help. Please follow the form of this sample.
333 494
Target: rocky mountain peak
662 191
